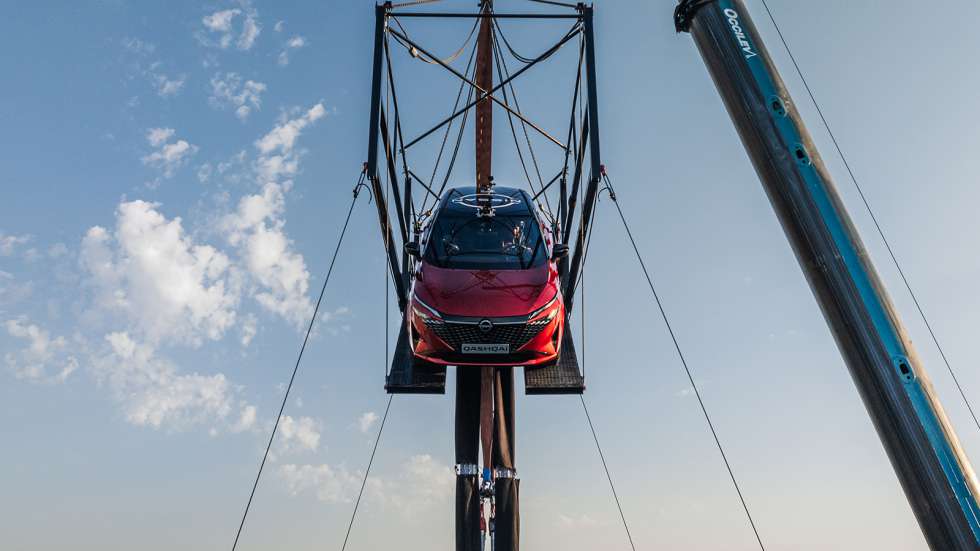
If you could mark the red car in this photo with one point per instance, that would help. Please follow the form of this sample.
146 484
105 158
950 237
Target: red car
486 288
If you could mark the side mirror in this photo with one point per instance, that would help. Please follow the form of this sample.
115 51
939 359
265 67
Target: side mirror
413 249
560 250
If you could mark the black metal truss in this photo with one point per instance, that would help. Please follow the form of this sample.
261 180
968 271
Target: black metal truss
580 133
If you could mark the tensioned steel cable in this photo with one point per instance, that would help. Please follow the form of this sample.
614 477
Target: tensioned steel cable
367 472
442 147
413 3
608 476
687 369
517 105
415 53
867 205
513 131
292 378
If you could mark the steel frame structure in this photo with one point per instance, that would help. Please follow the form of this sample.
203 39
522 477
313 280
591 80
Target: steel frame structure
485 413
392 143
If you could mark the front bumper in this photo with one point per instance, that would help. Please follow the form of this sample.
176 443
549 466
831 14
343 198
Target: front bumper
532 340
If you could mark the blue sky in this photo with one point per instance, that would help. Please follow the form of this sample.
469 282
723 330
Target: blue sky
175 177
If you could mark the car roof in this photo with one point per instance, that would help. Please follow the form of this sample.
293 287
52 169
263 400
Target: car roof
506 201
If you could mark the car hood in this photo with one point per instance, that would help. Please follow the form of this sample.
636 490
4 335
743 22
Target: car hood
486 293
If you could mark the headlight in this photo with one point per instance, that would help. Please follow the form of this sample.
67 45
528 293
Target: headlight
550 303
425 312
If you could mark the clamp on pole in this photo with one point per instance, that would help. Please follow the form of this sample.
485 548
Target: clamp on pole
467 469
684 13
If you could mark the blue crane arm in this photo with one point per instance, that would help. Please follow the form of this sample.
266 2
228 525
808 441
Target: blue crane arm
919 439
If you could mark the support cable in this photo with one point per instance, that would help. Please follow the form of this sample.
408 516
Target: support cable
414 52
367 472
588 244
445 138
687 369
513 131
608 476
554 3
413 3
292 378
867 205
513 52
517 105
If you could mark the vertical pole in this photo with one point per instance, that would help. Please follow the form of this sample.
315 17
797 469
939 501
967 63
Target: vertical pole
932 467
484 109
467 456
595 159
506 483
380 13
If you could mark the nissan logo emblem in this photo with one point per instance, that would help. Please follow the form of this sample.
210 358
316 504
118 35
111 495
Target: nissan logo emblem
486 325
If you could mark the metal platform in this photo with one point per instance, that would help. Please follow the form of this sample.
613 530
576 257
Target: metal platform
564 377
410 376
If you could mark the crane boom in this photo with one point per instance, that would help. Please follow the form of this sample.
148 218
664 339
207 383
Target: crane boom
917 435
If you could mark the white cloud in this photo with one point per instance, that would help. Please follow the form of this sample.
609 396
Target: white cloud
580 521
246 420
222 24
293 43
32 255
257 229
138 46
228 91
427 481
249 329
331 484
57 250
168 157
220 21
154 394
168 287
11 291
282 138
32 361
166 86
8 243
250 31
152 285
157 136
422 483
279 26
300 434
204 172
366 421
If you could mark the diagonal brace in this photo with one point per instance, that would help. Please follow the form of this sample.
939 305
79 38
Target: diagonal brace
483 93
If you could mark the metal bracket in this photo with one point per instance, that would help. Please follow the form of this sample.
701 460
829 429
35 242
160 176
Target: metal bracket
684 13
467 469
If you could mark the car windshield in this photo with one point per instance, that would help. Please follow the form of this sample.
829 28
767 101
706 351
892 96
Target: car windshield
464 240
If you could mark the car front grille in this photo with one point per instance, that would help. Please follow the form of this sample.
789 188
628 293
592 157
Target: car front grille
514 334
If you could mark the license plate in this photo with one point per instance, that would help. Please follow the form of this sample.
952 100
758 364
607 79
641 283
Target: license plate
486 348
